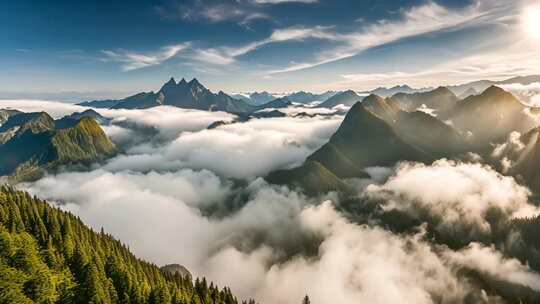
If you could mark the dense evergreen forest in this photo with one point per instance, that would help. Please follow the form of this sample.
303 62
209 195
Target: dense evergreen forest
49 256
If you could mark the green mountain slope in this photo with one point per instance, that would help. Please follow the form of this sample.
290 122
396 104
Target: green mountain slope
28 155
375 132
84 142
364 140
50 256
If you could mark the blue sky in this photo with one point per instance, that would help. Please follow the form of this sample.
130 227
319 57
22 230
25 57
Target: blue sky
275 45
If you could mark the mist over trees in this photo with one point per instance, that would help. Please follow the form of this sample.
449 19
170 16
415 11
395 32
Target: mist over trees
50 256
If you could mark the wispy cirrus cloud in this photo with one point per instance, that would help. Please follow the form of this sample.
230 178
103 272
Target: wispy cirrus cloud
418 20
241 11
227 55
213 12
427 18
133 60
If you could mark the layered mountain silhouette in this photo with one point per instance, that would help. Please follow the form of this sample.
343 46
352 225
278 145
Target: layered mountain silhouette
72 119
481 85
347 98
101 104
256 98
383 131
186 95
277 103
32 144
469 92
387 92
308 97
442 100
492 115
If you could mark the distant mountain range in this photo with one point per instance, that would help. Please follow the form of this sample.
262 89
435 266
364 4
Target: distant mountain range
256 98
194 95
33 143
188 95
386 92
481 85
381 131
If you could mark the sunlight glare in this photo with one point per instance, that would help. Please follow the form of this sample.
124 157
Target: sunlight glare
531 21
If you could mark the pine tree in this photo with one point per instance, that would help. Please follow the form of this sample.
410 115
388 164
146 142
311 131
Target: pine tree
50 256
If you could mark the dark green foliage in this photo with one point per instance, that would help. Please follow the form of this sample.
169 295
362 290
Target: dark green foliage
84 142
50 256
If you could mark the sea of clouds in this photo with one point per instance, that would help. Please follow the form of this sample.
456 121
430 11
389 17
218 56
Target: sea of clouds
275 244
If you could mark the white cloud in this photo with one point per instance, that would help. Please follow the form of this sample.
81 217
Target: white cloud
227 55
168 121
418 20
271 238
509 151
54 108
491 262
132 60
458 196
194 11
236 150
258 249
169 138
529 94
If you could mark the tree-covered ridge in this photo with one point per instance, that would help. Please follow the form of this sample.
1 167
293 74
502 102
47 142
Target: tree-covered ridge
49 256
32 144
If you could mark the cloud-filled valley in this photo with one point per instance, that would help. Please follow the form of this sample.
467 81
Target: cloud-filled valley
180 192
270 152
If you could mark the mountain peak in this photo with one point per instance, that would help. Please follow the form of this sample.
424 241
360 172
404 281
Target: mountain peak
442 90
182 82
373 98
494 90
194 82
168 85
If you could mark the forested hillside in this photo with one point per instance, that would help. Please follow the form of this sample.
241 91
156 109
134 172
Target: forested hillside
49 256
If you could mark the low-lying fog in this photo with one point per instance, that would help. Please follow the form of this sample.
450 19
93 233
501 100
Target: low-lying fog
157 196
